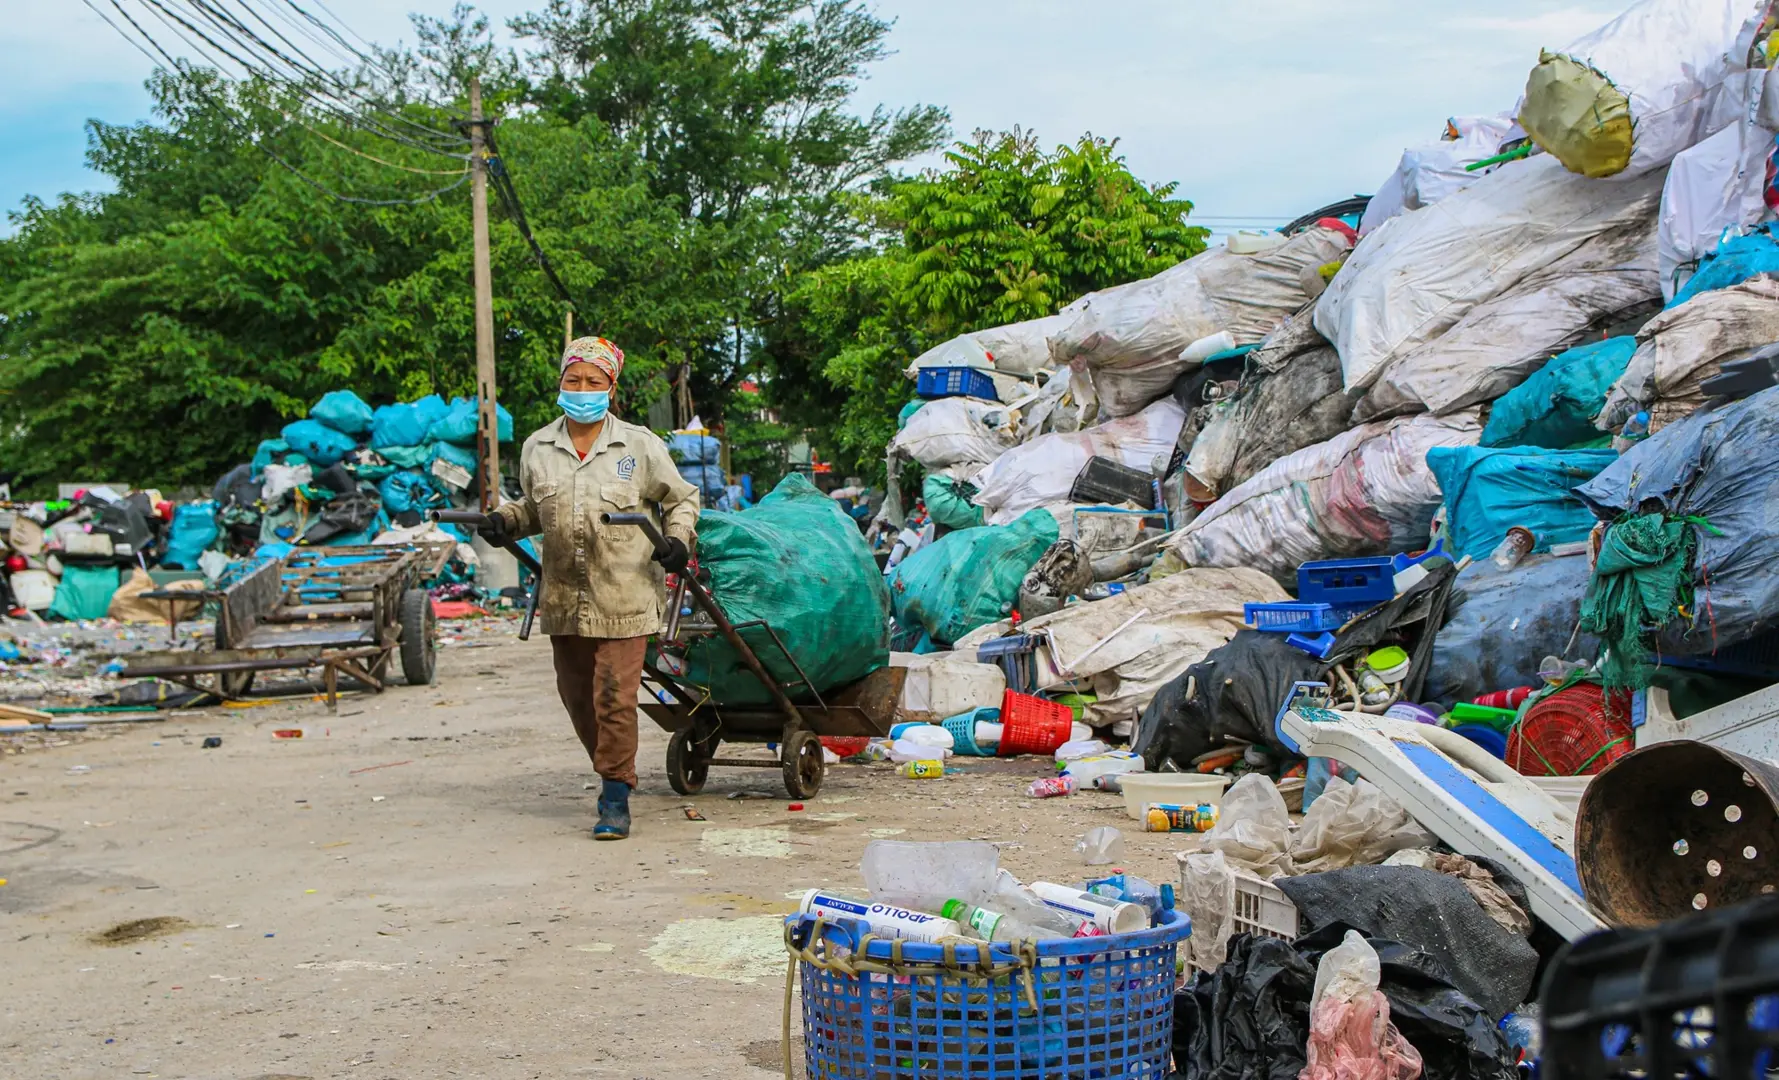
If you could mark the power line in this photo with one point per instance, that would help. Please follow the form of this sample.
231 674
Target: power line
170 62
509 197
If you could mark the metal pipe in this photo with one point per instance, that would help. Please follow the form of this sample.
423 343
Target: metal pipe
479 522
701 596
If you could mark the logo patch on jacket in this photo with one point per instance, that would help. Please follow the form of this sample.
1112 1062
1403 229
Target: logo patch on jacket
626 468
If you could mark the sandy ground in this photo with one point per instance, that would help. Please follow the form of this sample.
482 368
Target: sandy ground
411 890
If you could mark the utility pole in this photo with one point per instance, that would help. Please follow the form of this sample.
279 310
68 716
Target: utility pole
487 425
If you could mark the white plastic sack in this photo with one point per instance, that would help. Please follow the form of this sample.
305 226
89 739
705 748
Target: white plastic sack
1126 344
962 351
1214 452
279 479
1042 471
942 685
1715 186
1672 59
1177 621
1503 340
1367 491
956 431
1419 274
1683 346
1432 171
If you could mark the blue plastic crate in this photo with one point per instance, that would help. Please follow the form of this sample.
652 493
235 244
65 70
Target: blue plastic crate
1349 582
1015 655
943 382
1295 617
1105 1005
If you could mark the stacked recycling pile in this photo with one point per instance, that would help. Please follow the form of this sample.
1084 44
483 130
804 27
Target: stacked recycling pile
1463 359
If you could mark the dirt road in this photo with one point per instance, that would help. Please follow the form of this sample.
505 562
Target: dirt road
411 891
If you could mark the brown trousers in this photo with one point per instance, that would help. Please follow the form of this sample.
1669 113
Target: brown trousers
598 679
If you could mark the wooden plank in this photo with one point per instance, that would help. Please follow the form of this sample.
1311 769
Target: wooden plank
321 633
290 613
30 716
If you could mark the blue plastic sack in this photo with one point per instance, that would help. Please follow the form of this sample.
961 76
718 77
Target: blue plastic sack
1736 260
969 578
695 449
404 491
458 426
1488 492
319 443
407 457
708 479
399 425
1557 405
268 453
193 531
343 411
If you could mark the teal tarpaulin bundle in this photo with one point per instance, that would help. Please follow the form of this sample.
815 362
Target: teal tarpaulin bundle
969 578
1488 492
1556 407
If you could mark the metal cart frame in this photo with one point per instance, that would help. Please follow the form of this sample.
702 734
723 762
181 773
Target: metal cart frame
344 610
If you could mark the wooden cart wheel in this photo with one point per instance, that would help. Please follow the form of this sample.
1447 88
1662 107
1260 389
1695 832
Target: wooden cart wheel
803 765
420 639
688 763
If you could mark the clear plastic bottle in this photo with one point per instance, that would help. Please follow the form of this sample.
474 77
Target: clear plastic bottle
1513 548
990 925
1636 429
1048 787
1020 903
1101 845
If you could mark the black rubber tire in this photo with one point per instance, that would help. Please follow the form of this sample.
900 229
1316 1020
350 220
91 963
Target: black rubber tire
420 639
688 763
803 765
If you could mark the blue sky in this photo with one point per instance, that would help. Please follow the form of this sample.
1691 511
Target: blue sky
1259 108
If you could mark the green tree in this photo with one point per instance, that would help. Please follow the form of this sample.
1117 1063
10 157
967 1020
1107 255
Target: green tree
1003 233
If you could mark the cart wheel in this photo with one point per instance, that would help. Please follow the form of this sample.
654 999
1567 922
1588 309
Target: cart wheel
688 764
420 641
234 684
803 765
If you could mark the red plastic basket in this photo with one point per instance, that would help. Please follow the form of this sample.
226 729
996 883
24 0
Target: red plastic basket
1032 725
1574 732
845 746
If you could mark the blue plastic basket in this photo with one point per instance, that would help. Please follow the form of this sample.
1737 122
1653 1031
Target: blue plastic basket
943 382
963 731
1105 1006
1294 617
1353 582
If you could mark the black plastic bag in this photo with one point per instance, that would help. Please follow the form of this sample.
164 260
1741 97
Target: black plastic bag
1249 1019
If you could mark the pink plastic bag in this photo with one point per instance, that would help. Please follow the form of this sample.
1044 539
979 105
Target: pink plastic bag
1351 1037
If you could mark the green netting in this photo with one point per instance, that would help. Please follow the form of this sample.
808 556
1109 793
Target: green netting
1642 580
948 502
799 563
970 578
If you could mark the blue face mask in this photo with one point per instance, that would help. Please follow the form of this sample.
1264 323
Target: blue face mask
585 406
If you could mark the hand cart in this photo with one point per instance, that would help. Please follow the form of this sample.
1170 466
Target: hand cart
345 610
698 726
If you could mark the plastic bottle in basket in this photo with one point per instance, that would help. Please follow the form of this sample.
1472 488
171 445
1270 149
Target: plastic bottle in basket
1112 916
990 925
885 920
1048 787
1021 904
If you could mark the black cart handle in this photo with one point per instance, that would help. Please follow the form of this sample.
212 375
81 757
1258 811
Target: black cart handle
640 521
479 522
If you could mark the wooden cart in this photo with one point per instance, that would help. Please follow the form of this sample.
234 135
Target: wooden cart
344 610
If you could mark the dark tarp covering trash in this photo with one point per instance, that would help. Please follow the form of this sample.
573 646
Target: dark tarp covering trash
1502 624
796 561
1714 470
1426 910
1249 1019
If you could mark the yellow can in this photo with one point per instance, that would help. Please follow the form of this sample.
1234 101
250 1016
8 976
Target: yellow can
1168 817
923 770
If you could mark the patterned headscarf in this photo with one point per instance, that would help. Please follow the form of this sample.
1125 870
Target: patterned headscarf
597 351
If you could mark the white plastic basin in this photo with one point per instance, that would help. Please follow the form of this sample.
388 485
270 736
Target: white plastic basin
1144 789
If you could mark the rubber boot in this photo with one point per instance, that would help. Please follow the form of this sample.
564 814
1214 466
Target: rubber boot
614 811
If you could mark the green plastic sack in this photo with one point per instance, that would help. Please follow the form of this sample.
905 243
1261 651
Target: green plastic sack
948 502
797 562
970 578
85 592
407 457
343 411
1556 407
